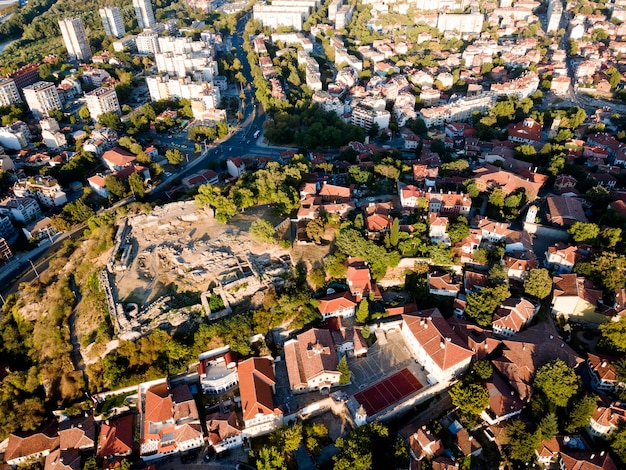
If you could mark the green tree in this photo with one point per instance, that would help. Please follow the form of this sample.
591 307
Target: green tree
288 439
110 120
557 382
580 413
262 230
174 156
522 444
335 266
615 333
458 230
481 305
538 283
243 198
315 230
115 185
315 436
343 368
549 426
270 458
618 442
359 222
135 181
394 234
363 312
84 114
482 369
584 232
369 447
496 198
606 270
207 194
610 236
470 398
225 209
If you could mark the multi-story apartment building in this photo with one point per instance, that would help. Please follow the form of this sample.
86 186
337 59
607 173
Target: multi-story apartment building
555 10
75 39
343 16
102 100
147 42
145 15
459 110
9 93
21 209
25 76
112 21
366 117
41 97
7 231
45 189
275 16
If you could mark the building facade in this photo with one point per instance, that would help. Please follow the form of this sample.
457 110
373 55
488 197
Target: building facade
42 97
102 100
112 21
75 39
9 93
145 15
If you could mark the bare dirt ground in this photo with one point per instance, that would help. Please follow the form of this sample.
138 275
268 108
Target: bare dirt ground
174 251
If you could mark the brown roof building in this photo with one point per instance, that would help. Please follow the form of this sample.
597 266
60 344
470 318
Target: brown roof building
256 386
576 298
116 439
25 447
312 361
224 431
63 460
435 345
78 433
565 210
528 351
339 304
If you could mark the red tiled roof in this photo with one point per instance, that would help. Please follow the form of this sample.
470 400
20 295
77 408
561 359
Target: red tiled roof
79 433
25 444
334 302
222 426
116 436
119 157
63 460
312 354
437 338
256 378
158 406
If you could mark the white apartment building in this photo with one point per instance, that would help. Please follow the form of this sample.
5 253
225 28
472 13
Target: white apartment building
555 10
41 97
465 24
147 42
333 7
183 64
45 189
8 92
366 117
460 110
75 39
21 209
343 16
145 15
128 42
112 21
102 100
276 16
13 139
